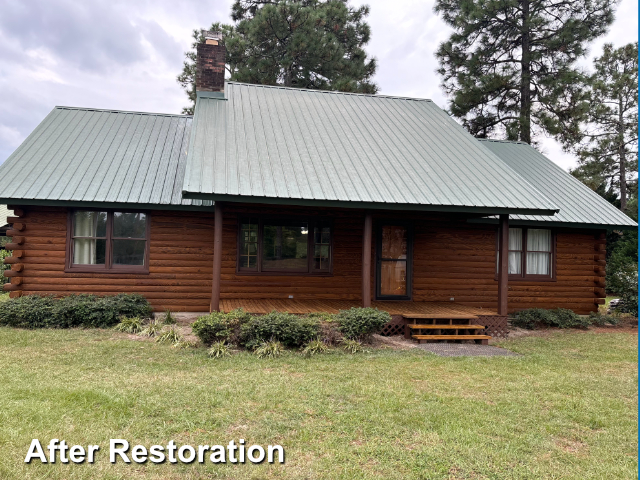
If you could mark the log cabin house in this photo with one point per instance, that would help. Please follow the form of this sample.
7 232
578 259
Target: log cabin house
300 200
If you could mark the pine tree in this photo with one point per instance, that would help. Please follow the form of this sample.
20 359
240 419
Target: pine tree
607 141
315 44
508 67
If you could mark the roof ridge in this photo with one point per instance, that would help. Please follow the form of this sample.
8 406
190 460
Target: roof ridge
113 110
336 92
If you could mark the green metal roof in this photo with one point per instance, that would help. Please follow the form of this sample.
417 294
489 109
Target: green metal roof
89 156
579 205
282 145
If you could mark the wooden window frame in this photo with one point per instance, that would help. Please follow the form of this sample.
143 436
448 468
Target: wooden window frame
524 276
108 267
378 259
312 222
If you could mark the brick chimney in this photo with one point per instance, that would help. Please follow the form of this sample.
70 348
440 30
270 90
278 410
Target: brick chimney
210 60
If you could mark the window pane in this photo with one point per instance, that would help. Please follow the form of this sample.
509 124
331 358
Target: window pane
321 257
394 242
538 240
249 245
88 251
515 263
128 252
515 239
129 225
393 278
539 263
285 247
89 224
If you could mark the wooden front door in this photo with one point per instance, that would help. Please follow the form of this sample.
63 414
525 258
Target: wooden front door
393 262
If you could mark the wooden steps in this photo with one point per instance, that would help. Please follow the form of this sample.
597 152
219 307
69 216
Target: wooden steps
445 327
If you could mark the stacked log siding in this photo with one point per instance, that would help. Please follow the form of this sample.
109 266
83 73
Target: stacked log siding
452 259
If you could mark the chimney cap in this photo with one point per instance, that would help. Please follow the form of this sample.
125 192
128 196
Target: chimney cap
208 35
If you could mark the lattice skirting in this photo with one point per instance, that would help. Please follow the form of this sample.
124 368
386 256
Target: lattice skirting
495 325
394 327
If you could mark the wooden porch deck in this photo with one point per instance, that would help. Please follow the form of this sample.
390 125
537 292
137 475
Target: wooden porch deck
267 305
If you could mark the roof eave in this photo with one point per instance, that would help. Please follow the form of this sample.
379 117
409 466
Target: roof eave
552 223
366 205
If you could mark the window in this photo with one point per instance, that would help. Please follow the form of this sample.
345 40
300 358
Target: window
531 253
108 241
284 246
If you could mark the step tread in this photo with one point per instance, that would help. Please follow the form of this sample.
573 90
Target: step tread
446 327
439 316
451 337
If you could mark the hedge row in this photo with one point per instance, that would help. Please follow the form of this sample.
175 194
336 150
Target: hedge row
33 311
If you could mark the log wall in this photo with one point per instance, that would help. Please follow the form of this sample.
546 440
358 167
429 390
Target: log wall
452 259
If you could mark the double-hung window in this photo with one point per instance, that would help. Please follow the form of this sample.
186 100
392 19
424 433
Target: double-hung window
106 241
285 246
531 253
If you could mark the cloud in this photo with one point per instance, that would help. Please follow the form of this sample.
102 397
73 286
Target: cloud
125 54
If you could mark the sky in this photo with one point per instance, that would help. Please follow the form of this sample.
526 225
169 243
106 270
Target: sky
119 54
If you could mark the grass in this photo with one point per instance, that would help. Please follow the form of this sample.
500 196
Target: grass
566 409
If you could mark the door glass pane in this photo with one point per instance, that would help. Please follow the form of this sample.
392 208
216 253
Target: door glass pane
321 257
394 242
89 224
393 274
393 278
285 246
129 225
128 252
89 251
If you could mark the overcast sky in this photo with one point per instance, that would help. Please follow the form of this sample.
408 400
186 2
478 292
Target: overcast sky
125 55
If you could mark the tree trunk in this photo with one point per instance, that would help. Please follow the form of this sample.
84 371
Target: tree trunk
623 159
525 77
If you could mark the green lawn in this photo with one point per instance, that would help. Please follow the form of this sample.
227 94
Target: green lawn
566 409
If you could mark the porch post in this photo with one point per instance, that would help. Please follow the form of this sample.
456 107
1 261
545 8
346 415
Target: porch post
217 258
366 260
503 265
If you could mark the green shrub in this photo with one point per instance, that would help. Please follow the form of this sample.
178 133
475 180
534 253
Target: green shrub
565 318
4 266
219 350
290 330
218 326
315 347
33 311
130 325
596 318
358 323
533 318
270 349
30 311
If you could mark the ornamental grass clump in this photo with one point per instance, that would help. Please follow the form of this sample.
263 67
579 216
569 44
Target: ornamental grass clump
360 323
270 349
130 325
353 346
169 318
152 329
315 347
169 335
219 350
